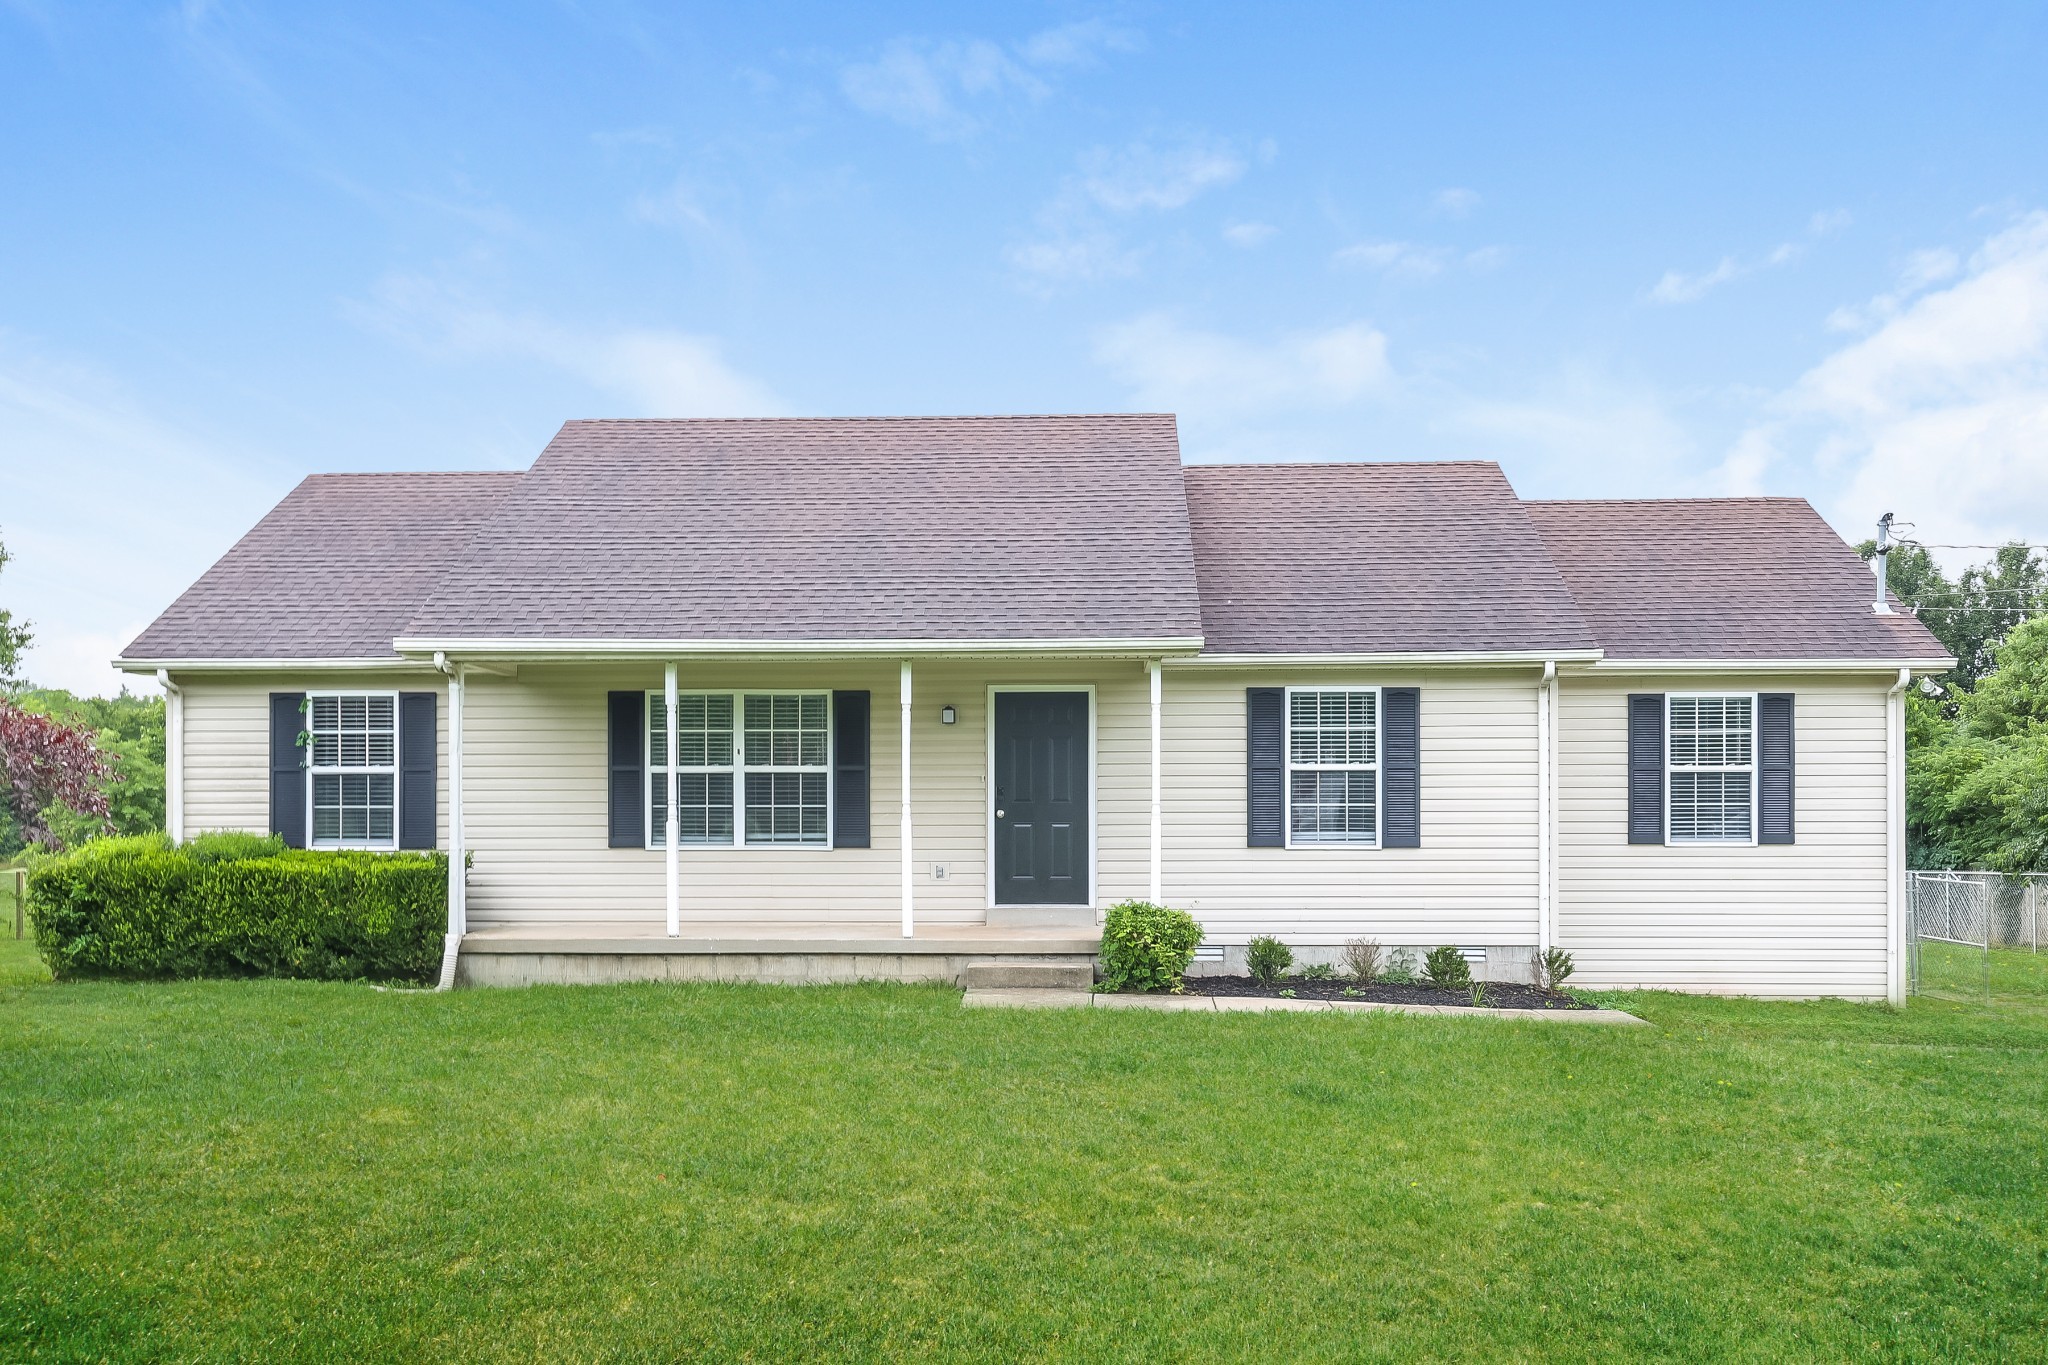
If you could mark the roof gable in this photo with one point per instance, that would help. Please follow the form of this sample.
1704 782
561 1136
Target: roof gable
835 530
332 572
1722 578
1373 559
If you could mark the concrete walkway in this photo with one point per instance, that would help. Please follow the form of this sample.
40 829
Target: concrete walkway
1227 1004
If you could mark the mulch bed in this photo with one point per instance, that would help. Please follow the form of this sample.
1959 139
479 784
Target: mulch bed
1499 994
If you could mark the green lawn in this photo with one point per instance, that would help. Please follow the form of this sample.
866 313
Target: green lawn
266 1170
2016 977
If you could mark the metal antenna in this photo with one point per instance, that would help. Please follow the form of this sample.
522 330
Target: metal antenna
1883 558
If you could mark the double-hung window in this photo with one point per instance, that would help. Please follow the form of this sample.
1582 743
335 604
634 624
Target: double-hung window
1333 765
352 768
751 768
1711 774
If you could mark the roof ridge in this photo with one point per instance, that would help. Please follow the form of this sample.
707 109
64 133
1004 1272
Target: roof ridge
1341 464
869 417
1667 502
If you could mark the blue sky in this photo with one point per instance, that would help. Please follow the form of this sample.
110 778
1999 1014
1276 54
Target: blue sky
1621 249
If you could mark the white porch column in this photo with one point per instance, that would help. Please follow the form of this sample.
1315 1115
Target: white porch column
458 881
904 690
1155 894
1546 809
671 831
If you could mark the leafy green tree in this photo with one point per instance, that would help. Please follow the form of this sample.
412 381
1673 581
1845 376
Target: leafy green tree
1972 614
13 640
129 731
1977 780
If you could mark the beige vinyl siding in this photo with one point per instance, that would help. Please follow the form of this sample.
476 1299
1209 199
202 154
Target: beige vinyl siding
536 798
227 741
1473 880
1803 919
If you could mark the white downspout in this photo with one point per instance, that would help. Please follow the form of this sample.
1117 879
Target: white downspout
174 756
1546 809
671 866
1155 894
903 688
1895 837
458 879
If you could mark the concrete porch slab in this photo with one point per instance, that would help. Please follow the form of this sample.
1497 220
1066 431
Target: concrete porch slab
945 940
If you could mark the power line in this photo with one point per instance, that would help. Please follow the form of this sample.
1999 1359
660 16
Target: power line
2008 545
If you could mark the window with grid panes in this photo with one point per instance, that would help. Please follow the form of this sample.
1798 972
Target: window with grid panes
765 780
1712 768
1333 774
352 767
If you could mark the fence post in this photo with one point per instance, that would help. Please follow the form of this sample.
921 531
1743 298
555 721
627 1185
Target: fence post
20 897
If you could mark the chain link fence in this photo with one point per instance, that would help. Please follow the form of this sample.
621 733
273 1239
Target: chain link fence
1977 935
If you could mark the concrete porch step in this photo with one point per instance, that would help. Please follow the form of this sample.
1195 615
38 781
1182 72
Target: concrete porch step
1080 917
1037 976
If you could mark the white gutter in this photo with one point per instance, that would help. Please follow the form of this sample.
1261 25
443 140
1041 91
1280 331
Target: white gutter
458 870
570 650
174 756
1546 809
1508 657
1156 893
388 665
1936 665
1895 837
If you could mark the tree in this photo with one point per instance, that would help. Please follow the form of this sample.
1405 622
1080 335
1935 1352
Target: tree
1972 614
47 763
13 640
1977 771
130 733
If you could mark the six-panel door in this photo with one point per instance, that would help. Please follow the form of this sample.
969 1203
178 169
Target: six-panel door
1041 798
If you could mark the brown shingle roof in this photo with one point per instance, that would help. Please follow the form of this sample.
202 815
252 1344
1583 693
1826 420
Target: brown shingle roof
924 528
333 572
1373 558
1722 578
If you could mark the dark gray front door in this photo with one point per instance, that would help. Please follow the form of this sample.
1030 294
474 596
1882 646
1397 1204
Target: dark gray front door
1041 798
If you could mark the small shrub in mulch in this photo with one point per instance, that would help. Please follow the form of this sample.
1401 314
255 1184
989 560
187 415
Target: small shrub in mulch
1500 995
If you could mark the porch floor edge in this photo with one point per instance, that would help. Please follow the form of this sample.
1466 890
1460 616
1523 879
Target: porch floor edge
865 939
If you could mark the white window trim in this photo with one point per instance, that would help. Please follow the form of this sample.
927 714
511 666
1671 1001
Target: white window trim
988 790
397 762
1669 768
1379 765
653 768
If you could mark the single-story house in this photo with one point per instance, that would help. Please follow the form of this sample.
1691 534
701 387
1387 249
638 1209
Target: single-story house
884 696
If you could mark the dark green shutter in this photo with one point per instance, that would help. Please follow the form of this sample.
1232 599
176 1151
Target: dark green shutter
417 766
1265 711
288 768
1646 768
1401 767
1774 768
626 785
850 743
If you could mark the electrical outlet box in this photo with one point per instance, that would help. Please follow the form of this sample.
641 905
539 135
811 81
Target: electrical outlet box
939 872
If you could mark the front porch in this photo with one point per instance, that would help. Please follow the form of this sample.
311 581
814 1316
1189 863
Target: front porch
584 953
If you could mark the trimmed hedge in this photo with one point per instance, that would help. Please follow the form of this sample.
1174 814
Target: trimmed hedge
1146 947
238 905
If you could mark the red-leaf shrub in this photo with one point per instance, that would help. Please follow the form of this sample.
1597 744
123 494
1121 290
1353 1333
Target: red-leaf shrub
44 761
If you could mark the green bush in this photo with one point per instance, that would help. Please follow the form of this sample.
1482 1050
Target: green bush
1147 947
1267 958
1446 969
1317 971
238 906
1552 967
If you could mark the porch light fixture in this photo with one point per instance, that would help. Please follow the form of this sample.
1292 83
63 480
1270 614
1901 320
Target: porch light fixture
947 715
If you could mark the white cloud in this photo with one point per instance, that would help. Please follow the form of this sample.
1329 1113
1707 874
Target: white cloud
663 373
1411 260
1399 259
1078 234
943 86
1919 271
1248 234
109 511
1207 374
1941 413
1455 203
1584 433
1677 286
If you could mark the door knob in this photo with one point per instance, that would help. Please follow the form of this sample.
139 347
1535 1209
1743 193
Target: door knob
999 815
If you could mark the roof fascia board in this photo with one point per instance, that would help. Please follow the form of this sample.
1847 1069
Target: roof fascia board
385 665
569 650
1938 665
1480 658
